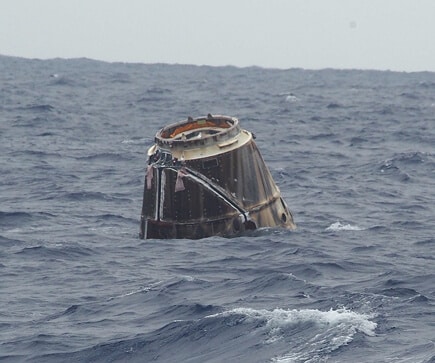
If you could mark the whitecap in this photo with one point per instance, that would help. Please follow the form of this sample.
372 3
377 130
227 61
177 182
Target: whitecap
337 226
331 329
291 98
135 141
279 318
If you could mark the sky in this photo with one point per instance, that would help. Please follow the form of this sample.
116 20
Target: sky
397 35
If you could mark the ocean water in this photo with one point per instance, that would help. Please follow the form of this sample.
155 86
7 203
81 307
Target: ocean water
353 153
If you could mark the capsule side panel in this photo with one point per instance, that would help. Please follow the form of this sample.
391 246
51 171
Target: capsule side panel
242 172
149 200
193 204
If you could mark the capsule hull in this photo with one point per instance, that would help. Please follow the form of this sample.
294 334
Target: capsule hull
206 177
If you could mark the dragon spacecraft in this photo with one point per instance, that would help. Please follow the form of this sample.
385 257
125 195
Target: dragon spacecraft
206 177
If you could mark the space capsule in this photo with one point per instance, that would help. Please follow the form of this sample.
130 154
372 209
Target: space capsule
205 177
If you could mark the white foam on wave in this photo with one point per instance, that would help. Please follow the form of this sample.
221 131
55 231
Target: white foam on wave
330 329
291 98
337 226
134 141
279 318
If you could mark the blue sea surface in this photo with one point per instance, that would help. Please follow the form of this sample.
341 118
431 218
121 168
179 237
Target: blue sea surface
353 153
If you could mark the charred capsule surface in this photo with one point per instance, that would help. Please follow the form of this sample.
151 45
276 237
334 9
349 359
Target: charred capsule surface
206 177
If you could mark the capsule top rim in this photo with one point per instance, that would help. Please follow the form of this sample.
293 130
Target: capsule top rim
201 131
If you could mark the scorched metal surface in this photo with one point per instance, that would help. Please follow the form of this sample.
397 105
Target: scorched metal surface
206 177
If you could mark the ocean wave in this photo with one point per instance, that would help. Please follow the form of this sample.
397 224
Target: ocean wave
282 318
338 227
399 292
61 80
136 141
104 156
59 251
274 283
406 166
39 108
86 196
324 331
16 219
